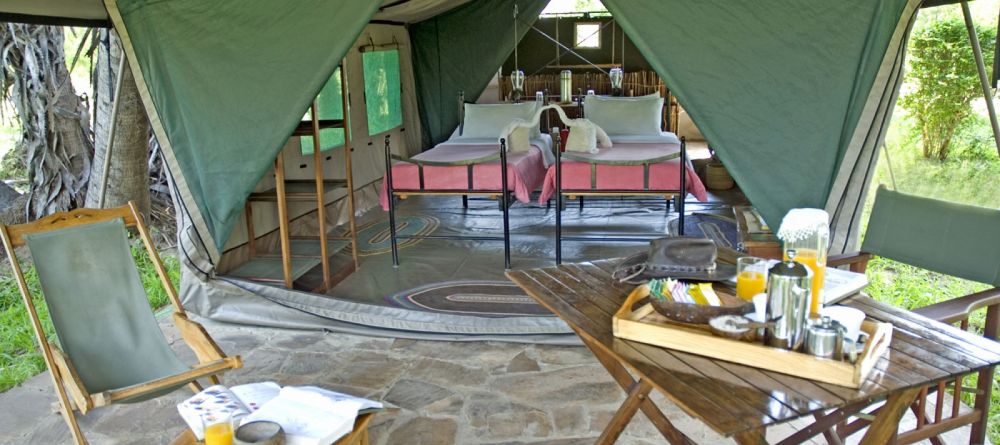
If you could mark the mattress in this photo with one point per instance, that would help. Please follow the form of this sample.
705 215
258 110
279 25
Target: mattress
525 170
662 175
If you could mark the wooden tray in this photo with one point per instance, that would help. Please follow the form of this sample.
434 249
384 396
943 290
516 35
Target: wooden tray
645 325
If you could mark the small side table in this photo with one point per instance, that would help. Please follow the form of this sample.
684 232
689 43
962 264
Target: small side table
755 242
358 436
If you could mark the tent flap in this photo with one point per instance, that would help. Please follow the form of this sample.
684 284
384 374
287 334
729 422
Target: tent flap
776 87
460 50
225 83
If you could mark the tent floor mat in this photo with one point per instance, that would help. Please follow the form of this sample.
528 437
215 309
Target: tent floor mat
429 293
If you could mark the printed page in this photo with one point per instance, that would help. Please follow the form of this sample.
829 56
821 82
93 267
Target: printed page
307 417
255 395
366 405
213 399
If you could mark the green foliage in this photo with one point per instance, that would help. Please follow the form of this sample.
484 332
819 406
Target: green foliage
944 81
19 356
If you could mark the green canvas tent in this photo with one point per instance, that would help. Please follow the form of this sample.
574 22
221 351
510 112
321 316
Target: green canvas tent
794 95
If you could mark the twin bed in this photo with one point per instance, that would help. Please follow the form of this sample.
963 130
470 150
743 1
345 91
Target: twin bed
641 161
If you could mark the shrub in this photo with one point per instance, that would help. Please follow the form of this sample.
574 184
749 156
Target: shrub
944 81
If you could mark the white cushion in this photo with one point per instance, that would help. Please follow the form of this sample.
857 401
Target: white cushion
584 136
519 140
517 134
629 115
488 120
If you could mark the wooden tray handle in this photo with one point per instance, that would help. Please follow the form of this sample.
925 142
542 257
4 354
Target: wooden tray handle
641 291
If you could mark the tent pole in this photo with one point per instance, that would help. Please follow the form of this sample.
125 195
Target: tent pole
113 125
349 172
320 197
977 52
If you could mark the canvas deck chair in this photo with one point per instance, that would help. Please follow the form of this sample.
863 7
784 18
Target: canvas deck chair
109 347
951 239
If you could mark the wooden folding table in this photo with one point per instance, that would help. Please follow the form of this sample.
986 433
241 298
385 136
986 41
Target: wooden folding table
742 402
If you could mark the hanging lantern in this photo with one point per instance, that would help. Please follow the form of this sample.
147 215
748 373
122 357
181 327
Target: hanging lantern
617 76
517 81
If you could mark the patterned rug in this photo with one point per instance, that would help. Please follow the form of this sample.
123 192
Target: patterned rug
718 228
479 298
374 239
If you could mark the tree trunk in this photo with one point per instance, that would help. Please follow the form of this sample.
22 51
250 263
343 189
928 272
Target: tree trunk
55 135
128 176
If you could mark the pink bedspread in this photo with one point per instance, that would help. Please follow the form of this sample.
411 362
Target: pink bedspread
525 171
662 176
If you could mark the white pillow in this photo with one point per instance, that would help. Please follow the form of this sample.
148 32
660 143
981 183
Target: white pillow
625 116
488 120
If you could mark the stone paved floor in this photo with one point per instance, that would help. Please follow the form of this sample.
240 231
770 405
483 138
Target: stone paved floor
439 392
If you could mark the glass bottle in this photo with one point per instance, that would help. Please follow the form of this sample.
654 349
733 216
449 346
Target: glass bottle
807 232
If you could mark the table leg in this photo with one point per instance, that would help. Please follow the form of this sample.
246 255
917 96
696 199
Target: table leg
625 380
886 424
637 393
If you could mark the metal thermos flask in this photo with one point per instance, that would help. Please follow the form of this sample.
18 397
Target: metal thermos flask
789 285
566 86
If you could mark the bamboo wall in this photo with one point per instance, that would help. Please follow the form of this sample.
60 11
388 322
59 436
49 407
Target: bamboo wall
636 83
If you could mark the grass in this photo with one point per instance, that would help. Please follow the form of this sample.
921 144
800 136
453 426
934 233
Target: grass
19 355
971 175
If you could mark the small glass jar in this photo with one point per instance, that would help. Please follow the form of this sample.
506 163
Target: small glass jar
807 232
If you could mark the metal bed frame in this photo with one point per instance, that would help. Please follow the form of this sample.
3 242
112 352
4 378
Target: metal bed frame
677 195
505 200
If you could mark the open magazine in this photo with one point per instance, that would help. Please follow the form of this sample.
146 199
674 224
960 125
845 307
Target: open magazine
837 284
309 415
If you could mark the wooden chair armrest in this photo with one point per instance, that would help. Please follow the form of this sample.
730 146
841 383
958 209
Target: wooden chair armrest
957 309
197 339
71 380
200 371
857 260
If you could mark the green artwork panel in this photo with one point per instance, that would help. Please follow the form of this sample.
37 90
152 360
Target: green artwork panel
330 107
382 90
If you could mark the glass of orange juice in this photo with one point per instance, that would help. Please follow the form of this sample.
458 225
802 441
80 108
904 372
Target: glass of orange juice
218 428
815 260
751 276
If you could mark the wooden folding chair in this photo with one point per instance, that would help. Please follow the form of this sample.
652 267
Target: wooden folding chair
110 347
951 239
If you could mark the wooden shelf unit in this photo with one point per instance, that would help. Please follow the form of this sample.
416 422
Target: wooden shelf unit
299 190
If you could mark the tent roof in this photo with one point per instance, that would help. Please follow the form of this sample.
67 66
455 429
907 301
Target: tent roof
93 12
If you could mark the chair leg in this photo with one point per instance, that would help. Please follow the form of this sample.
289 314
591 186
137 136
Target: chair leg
66 409
364 437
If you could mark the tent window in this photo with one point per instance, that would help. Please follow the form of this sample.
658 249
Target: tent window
382 90
588 35
330 107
